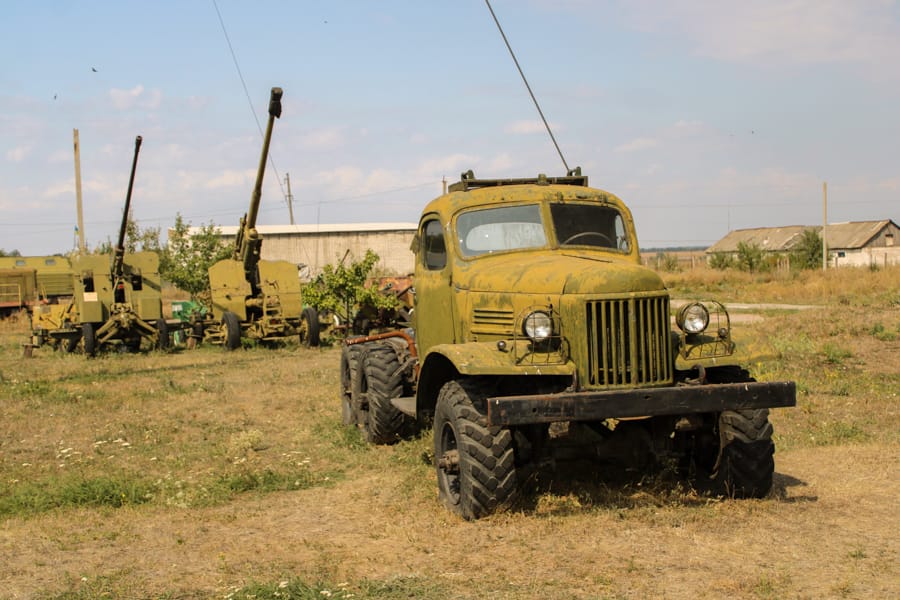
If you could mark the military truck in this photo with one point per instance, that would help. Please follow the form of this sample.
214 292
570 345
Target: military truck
534 322
254 298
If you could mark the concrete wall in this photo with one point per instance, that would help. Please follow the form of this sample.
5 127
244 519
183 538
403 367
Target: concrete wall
315 250
865 257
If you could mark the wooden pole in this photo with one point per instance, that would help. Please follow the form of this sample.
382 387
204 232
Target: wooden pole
80 225
824 225
290 197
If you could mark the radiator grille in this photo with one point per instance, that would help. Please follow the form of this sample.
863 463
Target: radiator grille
487 320
628 342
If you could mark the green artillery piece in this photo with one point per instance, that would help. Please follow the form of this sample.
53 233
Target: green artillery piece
254 298
117 298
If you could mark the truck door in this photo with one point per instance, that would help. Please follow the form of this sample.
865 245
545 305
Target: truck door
435 313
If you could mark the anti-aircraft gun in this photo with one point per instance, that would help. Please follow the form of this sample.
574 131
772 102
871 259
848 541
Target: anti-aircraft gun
255 298
118 298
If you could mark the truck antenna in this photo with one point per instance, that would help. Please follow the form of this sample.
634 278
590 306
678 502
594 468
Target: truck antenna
528 87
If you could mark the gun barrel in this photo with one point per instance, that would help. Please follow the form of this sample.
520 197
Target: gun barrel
120 246
274 112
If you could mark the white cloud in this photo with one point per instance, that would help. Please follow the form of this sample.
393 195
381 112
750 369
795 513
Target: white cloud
638 144
501 163
135 98
231 178
323 138
446 165
798 32
18 153
529 127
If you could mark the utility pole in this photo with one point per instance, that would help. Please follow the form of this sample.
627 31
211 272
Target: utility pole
80 225
824 225
290 197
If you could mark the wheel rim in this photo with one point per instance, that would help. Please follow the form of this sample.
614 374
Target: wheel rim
448 463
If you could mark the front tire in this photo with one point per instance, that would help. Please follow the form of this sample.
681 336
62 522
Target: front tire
475 464
746 463
737 457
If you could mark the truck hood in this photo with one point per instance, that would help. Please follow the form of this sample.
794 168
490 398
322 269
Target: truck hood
559 273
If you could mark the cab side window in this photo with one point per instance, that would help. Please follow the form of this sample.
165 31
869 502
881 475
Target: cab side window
434 250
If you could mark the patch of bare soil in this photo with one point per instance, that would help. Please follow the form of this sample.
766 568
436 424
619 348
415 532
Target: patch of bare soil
828 530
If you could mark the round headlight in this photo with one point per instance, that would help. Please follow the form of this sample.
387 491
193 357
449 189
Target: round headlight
693 318
538 326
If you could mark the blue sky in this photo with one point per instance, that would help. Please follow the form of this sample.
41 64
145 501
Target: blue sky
702 116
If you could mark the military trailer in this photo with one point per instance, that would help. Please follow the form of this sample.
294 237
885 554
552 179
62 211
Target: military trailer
18 290
27 282
534 323
254 298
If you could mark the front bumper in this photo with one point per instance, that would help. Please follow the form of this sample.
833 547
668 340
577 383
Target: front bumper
617 404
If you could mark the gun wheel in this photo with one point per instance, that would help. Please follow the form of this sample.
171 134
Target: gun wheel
89 337
231 330
309 328
162 335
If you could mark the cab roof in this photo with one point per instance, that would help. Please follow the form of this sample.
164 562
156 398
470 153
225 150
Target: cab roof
470 191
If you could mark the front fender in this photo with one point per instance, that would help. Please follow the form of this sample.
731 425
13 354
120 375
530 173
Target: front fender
485 358
748 350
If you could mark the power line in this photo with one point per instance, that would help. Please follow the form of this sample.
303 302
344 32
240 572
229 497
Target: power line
246 91
528 87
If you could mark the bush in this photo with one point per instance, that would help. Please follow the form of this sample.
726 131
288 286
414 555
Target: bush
721 261
750 257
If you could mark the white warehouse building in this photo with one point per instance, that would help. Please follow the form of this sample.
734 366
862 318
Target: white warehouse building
311 247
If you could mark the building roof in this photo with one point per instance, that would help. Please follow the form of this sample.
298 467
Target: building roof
846 236
843 236
770 239
231 230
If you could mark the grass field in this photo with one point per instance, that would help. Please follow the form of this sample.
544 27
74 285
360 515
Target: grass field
208 474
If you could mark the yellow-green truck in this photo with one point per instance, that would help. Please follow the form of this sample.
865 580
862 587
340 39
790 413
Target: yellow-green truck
533 320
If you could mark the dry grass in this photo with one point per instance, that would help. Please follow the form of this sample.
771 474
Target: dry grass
847 286
211 475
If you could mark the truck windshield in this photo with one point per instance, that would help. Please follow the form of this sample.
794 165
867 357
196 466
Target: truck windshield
589 225
500 229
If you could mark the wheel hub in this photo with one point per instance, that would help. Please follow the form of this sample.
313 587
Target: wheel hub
449 462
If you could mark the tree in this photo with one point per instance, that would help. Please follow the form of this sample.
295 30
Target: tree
137 239
749 256
9 252
807 254
342 289
186 259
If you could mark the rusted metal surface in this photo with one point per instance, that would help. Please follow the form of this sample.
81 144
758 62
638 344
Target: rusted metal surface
597 406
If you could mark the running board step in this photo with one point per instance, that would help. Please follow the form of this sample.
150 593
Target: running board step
405 405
